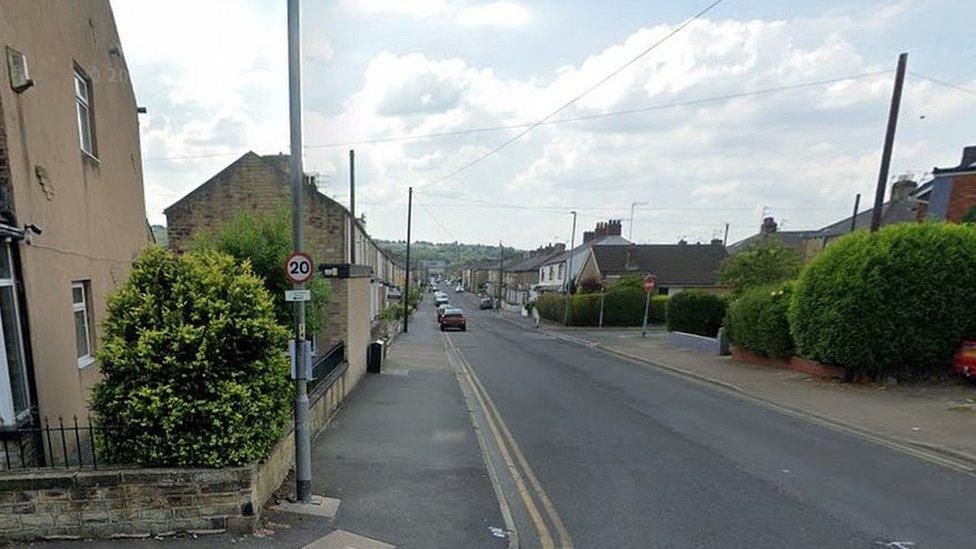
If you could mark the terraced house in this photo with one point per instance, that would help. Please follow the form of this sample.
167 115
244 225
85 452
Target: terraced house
72 213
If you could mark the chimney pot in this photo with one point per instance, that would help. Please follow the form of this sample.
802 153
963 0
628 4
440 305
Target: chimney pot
768 226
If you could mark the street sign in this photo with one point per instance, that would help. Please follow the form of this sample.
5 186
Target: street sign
298 267
649 282
298 295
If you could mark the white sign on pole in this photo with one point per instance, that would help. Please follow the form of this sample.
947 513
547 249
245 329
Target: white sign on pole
307 348
298 295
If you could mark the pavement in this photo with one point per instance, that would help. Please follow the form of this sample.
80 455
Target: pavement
632 455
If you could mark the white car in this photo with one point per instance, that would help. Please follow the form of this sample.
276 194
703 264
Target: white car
459 289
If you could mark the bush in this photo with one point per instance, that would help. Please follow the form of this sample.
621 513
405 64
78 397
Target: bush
763 264
695 312
193 362
551 306
757 321
265 241
896 302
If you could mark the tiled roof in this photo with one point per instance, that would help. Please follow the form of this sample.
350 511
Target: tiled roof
683 264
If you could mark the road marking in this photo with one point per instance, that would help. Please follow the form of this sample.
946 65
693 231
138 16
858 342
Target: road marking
565 540
545 538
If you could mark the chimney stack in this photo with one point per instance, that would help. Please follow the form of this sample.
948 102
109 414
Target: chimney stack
768 226
630 262
903 188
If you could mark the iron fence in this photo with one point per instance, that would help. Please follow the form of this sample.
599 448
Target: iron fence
327 363
56 445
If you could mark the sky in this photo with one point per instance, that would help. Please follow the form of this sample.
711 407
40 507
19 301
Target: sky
711 136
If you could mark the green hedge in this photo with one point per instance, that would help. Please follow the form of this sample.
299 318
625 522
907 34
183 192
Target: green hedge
896 302
695 312
621 308
757 321
194 364
551 307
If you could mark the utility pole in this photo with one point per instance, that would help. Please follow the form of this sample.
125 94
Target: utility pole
303 441
406 283
725 240
352 205
501 271
633 206
567 280
857 204
889 142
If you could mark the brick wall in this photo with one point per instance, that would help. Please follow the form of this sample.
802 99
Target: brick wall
962 197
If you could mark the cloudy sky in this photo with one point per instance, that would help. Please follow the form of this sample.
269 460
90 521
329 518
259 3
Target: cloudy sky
213 75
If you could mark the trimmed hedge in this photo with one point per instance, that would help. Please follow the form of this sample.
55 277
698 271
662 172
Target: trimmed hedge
896 302
551 306
695 312
194 364
758 321
621 308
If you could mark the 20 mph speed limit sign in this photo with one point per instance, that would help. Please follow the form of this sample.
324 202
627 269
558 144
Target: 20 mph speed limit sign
298 267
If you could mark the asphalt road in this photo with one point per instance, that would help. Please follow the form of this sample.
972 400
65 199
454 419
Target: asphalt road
603 452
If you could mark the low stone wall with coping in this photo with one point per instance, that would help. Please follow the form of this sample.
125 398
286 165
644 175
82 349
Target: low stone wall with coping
718 346
125 502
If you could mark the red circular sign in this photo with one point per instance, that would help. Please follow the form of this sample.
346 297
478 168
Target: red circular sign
649 282
299 267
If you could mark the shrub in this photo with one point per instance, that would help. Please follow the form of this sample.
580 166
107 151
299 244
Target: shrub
898 301
193 362
551 306
758 322
695 312
265 241
763 264
585 310
589 285
658 310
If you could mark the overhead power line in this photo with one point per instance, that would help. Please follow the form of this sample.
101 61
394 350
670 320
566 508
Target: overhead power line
430 214
943 83
579 96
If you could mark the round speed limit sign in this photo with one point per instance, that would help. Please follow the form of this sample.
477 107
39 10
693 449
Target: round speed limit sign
298 267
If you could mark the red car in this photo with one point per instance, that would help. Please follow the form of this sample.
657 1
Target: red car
453 319
964 362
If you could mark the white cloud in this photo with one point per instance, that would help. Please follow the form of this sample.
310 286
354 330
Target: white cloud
495 14
413 8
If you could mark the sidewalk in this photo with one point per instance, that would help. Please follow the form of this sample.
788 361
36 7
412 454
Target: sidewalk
402 454
935 418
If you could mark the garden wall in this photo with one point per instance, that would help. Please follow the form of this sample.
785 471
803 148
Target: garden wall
123 502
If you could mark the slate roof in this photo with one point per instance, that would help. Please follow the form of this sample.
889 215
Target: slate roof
792 239
678 264
582 251
901 211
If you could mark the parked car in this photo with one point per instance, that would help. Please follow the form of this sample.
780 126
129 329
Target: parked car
459 289
453 319
964 361
486 303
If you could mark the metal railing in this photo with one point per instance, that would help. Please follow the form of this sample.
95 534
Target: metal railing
64 444
327 363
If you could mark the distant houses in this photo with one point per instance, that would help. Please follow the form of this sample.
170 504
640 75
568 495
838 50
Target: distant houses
677 267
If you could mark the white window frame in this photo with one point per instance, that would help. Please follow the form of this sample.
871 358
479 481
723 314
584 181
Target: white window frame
9 416
88 359
83 101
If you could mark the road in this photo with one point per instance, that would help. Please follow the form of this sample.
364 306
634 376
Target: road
591 450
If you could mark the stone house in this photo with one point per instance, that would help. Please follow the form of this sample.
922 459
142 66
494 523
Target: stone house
261 184
72 212
522 279
678 267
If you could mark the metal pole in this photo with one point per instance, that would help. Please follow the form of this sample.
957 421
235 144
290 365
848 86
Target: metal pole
406 284
647 307
602 297
888 142
352 204
633 206
501 272
303 443
857 204
725 241
567 280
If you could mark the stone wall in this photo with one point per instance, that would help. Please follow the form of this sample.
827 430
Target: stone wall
39 504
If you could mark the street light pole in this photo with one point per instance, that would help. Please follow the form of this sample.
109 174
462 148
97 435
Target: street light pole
633 206
567 279
303 441
406 280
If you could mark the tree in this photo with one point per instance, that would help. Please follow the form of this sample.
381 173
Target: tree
970 216
193 364
766 263
589 285
265 241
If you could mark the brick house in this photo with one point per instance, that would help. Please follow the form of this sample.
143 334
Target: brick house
72 212
261 184
951 193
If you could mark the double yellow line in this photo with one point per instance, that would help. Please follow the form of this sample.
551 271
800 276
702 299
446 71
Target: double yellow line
518 467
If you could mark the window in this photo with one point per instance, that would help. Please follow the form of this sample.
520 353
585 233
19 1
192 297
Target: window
14 400
83 106
79 303
562 270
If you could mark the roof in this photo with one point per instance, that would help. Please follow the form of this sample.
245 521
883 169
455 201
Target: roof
533 262
681 264
580 253
792 239
898 211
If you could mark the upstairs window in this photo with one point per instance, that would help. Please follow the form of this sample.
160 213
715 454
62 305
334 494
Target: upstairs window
83 107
